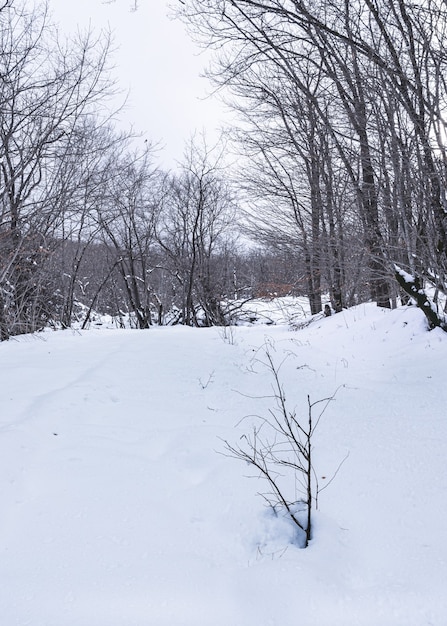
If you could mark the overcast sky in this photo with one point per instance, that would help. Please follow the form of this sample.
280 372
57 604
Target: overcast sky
157 62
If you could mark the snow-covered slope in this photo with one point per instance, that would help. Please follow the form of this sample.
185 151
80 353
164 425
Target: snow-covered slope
118 510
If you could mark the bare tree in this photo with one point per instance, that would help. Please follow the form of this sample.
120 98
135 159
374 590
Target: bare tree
47 88
199 211
291 184
85 175
128 221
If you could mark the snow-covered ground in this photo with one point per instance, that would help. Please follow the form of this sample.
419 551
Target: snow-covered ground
118 510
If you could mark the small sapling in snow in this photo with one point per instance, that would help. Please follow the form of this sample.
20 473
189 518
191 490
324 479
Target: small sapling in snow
279 449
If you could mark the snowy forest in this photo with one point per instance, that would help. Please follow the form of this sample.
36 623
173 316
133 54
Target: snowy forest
220 406
333 176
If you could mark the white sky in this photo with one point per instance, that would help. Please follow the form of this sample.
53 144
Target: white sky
160 65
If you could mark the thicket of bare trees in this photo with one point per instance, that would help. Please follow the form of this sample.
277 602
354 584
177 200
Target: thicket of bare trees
343 126
87 221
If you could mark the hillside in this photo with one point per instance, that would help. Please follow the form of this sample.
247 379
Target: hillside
119 508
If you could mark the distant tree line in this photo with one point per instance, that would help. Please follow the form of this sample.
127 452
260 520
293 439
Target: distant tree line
341 173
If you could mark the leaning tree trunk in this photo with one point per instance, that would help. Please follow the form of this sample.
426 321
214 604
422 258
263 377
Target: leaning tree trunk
412 286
